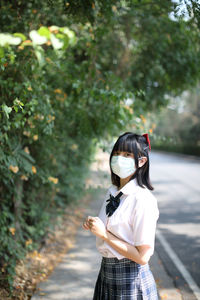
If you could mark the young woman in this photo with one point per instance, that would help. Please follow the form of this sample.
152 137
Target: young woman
126 224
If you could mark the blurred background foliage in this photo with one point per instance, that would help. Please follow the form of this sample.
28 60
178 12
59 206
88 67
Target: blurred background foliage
178 124
74 74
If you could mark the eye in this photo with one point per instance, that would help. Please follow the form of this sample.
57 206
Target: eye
128 154
116 153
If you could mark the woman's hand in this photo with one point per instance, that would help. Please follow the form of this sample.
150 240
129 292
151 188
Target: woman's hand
96 226
86 224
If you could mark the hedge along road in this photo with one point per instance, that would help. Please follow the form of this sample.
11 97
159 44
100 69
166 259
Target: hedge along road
176 181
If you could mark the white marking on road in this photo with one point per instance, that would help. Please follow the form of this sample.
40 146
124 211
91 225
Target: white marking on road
178 263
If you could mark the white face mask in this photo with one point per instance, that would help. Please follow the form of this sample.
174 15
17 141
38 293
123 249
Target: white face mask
123 166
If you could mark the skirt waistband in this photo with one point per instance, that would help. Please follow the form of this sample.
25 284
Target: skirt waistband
115 260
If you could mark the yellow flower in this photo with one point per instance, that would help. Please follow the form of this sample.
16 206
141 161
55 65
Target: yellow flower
130 109
31 123
143 118
26 150
29 88
48 59
34 170
35 137
58 91
53 179
92 36
74 147
12 230
24 177
14 169
27 133
39 117
28 242
51 118
114 8
150 130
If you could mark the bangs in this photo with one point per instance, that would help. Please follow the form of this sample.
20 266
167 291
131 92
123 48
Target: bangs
125 144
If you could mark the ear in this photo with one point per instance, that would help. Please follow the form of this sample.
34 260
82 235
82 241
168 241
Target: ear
142 161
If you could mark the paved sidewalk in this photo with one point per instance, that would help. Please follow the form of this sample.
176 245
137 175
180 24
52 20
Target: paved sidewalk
75 277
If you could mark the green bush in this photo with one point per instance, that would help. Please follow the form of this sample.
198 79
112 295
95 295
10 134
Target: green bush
51 120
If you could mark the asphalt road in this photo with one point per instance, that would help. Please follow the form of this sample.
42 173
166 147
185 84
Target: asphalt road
176 179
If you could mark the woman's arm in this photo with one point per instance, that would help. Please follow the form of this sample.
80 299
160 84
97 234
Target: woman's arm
139 254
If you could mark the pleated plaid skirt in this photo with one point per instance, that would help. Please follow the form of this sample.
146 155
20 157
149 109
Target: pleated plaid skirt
124 280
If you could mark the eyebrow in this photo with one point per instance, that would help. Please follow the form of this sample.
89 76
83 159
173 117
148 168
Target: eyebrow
123 151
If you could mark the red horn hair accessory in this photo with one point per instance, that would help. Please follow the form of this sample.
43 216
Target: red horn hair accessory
147 138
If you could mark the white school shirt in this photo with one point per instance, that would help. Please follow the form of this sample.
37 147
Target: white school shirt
134 221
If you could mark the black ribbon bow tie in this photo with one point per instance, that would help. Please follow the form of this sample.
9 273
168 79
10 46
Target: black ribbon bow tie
113 204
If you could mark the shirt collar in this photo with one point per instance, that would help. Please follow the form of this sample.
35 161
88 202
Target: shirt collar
127 189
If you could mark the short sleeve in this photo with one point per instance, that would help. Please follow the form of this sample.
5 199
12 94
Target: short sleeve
145 220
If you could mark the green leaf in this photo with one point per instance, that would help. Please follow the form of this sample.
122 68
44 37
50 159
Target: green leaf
7 39
20 35
70 34
6 109
37 38
17 102
44 31
56 43
1 52
64 38
39 52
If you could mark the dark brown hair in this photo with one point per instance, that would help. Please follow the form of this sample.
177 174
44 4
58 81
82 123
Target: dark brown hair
138 146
